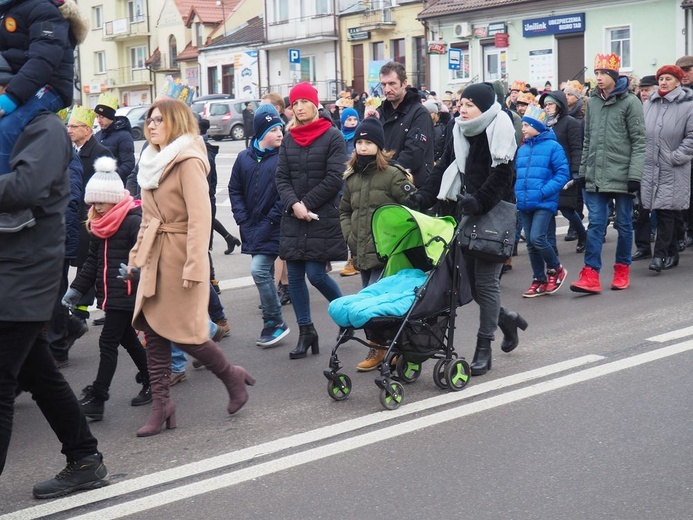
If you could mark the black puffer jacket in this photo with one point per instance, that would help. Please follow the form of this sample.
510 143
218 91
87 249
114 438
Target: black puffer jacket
409 133
312 174
118 140
39 47
102 265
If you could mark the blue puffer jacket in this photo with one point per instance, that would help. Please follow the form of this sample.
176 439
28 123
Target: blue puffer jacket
255 202
542 171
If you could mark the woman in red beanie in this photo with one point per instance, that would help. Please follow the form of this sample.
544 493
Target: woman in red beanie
666 178
309 177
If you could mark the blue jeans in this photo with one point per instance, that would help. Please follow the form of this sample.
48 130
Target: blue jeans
598 207
298 289
541 254
262 271
45 100
178 359
573 217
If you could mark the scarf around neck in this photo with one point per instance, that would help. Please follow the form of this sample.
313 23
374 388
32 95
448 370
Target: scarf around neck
305 135
107 225
153 163
500 134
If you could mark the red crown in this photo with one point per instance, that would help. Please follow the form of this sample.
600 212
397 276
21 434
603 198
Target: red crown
607 61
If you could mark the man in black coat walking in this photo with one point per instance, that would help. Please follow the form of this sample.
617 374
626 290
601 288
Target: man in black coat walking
30 271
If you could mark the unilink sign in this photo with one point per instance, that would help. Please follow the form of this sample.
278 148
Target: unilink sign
569 23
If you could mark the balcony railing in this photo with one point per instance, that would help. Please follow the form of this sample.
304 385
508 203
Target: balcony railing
301 28
164 63
127 77
123 28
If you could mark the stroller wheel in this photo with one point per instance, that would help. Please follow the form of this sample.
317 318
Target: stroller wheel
339 388
439 373
392 395
408 371
457 374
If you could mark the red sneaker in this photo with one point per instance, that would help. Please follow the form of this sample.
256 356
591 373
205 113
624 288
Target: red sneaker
536 289
621 277
588 282
555 279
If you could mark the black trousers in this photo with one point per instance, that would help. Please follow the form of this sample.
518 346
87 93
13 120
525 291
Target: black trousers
117 330
25 360
642 230
57 327
665 243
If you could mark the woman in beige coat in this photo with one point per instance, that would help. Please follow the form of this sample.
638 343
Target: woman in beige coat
171 254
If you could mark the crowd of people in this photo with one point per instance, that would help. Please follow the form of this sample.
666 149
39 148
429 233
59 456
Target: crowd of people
139 229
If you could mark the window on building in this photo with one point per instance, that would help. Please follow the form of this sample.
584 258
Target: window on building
322 7
618 41
398 51
199 35
495 64
137 57
173 50
418 76
213 80
464 74
136 11
97 17
377 51
100 62
308 69
281 10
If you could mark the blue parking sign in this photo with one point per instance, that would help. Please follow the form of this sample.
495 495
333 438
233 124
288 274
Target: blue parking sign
294 56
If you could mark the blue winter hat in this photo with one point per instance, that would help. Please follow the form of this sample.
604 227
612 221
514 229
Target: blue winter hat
536 118
266 118
347 113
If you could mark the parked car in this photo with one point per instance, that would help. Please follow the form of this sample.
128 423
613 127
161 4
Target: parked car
136 115
226 118
199 103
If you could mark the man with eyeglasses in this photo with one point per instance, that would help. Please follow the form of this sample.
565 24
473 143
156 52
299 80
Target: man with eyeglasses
79 128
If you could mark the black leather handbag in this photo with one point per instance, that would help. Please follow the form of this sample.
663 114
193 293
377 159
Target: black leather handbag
491 236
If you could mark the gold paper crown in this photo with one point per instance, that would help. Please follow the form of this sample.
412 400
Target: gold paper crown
573 86
525 97
108 100
63 113
607 61
519 85
536 113
83 115
176 89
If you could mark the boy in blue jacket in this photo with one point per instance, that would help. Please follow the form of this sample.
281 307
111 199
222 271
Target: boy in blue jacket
542 171
257 210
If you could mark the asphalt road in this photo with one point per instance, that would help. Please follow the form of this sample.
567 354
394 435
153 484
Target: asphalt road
588 419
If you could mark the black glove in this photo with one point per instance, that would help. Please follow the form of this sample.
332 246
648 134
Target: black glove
133 274
468 204
633 186
580 183
415 201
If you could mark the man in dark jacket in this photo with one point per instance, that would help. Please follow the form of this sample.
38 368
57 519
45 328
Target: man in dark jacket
30 270
406 122
115 134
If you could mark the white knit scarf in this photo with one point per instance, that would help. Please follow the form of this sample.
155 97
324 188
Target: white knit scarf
500 133
153 163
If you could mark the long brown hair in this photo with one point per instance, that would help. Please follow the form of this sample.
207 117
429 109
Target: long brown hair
178 116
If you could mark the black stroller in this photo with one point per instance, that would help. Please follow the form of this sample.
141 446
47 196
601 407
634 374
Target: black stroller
407 239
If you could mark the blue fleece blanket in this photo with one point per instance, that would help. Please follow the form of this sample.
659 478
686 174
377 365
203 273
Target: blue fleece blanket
390 296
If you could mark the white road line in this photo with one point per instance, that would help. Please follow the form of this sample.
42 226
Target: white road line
301 439
380 435
674 334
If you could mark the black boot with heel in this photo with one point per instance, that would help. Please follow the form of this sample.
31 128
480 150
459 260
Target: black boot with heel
307 339
482 357
508 323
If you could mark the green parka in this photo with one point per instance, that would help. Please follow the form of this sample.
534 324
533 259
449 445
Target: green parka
614 146
364 192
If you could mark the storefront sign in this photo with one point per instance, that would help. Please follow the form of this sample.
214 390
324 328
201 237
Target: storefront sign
541 67
496 28
437 48
356 34
500 40
480 32
569 23
454 59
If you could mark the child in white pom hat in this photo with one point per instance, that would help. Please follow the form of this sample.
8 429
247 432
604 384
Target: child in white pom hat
113 222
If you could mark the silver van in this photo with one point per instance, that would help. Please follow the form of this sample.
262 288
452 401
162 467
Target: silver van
226 118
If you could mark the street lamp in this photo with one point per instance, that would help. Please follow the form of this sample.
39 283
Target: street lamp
223 14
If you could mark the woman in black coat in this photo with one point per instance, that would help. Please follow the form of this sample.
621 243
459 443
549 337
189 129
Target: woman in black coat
309 176
568 132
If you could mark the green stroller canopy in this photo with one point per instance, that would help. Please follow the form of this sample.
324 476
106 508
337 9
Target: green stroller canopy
407 239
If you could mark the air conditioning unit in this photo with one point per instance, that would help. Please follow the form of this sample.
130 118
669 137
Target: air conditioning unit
462 30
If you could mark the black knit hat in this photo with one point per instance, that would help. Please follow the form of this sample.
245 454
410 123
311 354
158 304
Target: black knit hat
371 129
481 94
648 81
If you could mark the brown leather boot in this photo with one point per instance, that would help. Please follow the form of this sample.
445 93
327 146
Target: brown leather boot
159 366
235 378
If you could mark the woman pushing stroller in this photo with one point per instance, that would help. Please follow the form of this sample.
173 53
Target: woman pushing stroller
477 166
